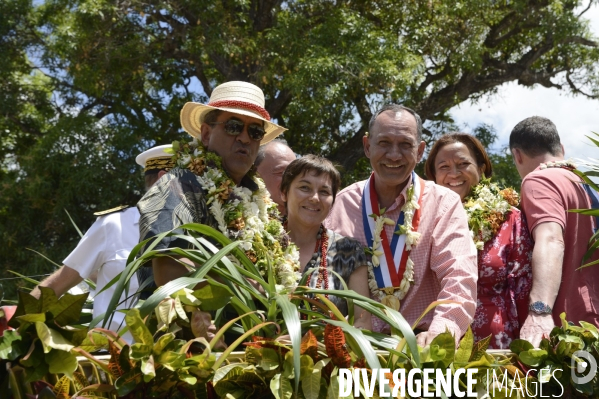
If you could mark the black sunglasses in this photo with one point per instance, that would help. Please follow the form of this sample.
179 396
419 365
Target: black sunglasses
234 127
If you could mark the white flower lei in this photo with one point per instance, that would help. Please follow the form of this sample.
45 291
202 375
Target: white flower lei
412 237
240 213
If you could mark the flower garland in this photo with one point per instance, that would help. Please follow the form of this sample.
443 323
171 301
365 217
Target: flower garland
320 249
487 207
241 214
558 164
391 296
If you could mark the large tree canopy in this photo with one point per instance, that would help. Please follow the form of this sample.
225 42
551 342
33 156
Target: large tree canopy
87 84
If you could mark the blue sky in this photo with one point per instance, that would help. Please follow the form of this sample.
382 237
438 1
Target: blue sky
575 117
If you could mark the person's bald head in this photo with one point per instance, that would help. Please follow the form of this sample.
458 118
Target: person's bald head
271 162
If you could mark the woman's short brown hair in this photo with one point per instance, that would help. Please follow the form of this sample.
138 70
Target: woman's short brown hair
475 147
311 163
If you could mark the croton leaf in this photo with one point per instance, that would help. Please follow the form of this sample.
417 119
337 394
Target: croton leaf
563 349
68 308
128 382
9 345
212 297
165 313
333 391
591 328
79 381
61 362
34 354
138 329
533 357
61 388
572 339
464 352
148 369
229 390
281 387
94 341
114 365
48 299
187 378
443 348
32 318
171 360
180 310
200 322
227 372
311 384
520 345
251 382
52 339
479 348
270 359
309 345
334 341
27 304
306 366
186 297
37 371
162 343
74 335
140 351
436 353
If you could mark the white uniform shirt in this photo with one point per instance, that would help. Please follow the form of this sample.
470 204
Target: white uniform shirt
104 249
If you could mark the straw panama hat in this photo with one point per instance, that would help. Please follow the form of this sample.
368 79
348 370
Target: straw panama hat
237 97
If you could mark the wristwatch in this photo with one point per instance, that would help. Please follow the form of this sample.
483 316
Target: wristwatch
540 308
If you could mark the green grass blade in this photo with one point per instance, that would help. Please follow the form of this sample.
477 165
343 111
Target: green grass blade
292 321
44 256
74 225
237 342
28 279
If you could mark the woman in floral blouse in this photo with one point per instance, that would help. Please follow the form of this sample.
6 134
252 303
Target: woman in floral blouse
459 162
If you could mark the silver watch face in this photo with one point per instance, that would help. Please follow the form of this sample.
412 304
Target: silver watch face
539 307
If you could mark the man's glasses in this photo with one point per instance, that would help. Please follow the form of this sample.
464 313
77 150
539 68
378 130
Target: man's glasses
234 127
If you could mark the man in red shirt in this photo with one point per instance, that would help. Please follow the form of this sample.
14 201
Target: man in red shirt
549 190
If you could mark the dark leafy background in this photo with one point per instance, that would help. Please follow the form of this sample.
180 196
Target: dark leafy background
86 85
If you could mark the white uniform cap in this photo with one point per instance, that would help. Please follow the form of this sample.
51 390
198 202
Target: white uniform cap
154 153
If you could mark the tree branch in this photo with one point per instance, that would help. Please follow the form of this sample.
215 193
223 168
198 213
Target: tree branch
348 153
575 88
586 9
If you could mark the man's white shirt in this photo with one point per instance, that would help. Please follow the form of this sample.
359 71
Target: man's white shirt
104 249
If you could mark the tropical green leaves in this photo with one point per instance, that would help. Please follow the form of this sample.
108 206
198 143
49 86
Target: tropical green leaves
44 338
593 171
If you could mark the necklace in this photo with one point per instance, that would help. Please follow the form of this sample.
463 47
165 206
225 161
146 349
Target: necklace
388 284
487 207
320 249
242 214
558 164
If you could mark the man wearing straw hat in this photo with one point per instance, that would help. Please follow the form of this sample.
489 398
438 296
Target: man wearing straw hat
103 251
233 125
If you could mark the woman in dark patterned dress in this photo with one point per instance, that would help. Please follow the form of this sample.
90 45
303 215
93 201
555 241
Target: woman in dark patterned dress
458 161
308 188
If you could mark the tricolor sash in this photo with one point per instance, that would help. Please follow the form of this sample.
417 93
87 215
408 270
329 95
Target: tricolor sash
393 263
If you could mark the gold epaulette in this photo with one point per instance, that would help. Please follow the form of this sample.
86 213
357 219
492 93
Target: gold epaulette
112 210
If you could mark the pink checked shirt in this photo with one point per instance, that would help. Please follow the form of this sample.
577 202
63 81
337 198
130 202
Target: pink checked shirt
445 256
